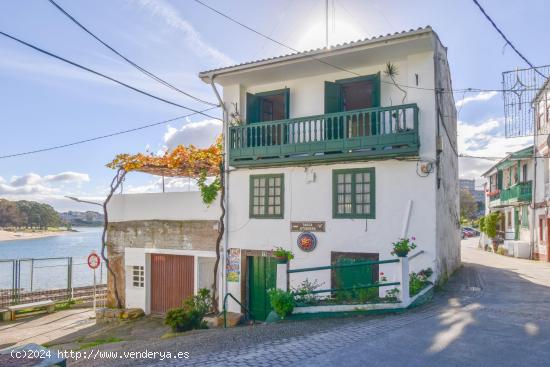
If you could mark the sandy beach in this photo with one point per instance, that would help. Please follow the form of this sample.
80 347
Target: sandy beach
9 235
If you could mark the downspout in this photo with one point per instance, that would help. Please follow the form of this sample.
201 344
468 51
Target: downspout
534 197
225 137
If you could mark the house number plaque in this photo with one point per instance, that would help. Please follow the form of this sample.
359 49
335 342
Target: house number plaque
307 226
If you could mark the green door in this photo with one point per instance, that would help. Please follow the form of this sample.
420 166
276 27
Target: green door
354 276
262 275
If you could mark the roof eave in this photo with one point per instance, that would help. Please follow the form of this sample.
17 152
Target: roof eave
206 76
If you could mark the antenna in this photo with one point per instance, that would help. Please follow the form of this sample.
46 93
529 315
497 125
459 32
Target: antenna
326 23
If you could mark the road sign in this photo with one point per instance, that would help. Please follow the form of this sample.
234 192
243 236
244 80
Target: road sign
93 261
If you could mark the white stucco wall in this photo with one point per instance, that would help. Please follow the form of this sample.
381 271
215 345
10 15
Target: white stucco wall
397 182
140 297
161 206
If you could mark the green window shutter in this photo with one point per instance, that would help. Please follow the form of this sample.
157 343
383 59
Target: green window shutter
252 108
333 100
376 90
499 180
286 93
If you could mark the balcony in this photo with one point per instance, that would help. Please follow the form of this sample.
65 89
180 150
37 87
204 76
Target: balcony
380 132
520 192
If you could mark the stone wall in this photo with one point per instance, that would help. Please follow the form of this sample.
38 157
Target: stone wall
159 234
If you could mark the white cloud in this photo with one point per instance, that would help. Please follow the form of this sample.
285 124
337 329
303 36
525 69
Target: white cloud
482 96
486 139
32 186
172 18
171 184
200 134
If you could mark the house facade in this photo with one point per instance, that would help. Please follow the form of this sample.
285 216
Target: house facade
509 191
161 247
541 105
335 154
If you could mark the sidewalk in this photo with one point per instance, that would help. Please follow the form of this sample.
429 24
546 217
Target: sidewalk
43 328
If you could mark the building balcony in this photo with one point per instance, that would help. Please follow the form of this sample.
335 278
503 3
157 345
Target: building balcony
518 193
380 132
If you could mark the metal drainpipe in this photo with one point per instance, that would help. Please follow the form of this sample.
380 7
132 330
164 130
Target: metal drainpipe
225 137
534 197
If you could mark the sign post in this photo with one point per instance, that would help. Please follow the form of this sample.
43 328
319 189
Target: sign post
93 263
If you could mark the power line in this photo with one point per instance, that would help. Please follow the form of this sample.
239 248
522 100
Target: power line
506 38
103 75
102 136
467 90
143 70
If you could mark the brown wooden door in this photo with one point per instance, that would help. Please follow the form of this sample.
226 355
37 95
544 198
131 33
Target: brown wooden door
548 239
172 280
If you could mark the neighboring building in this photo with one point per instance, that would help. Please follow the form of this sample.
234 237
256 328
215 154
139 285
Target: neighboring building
509 191
541 104
161 248
324 142
478 195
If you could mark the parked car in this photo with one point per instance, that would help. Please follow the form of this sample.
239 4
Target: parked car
473 230
467 233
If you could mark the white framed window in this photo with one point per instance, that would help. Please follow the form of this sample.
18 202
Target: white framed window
138 276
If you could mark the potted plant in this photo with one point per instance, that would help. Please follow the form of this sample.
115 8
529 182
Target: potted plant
282 255
402 247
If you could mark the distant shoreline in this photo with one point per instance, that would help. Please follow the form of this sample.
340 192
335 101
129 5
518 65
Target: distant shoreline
22 235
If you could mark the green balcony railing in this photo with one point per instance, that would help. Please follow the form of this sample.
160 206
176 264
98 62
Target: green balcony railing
520 192
371 132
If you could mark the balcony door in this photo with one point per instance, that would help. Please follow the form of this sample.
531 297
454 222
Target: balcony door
265 107
350 95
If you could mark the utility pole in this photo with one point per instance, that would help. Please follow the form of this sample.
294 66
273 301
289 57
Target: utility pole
326 23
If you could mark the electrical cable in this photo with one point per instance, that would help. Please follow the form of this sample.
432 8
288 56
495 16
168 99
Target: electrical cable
506 38
100 137
468 90
144 71
103 75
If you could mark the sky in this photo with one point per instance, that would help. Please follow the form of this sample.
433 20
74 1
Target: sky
45 102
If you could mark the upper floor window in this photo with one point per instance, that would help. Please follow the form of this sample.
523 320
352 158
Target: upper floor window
266 196
267 106
352 94
353 193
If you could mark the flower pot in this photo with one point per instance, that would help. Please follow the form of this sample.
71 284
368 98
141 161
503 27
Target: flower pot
281 259
401 253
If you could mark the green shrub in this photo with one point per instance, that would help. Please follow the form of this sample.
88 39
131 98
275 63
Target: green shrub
417 281
303 294
368 295
490 224
482 224
391 295
282 302
180 319
190 316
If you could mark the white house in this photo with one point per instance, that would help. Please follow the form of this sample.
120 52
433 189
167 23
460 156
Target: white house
541 105
161 247
325 147
509 191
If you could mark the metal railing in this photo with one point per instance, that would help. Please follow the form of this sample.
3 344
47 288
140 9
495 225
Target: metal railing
372 131
338 266
248 313
31 279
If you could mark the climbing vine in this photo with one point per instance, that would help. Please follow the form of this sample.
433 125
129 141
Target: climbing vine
183 161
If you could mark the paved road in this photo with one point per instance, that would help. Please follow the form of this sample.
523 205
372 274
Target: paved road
494 312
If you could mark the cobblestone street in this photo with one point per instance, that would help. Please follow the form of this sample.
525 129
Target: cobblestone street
492 312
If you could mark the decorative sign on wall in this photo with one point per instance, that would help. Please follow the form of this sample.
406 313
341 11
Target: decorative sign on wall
307 226
307 241
233 265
